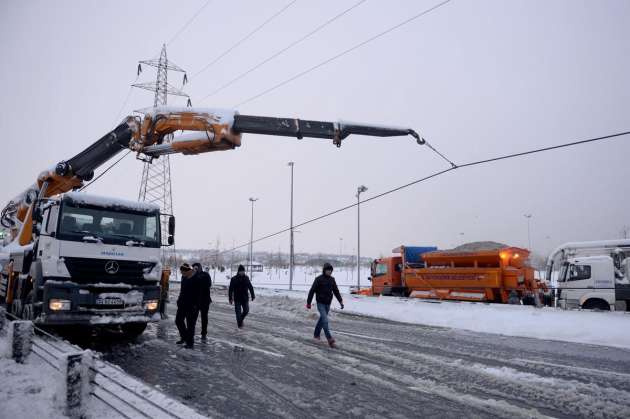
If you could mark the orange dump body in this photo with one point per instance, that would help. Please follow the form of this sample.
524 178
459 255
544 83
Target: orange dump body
488 275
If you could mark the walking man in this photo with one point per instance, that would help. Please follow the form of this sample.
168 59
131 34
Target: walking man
187 306
205 283
238 295
323 288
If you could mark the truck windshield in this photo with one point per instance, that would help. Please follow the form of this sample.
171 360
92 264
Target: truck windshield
380 269
125 227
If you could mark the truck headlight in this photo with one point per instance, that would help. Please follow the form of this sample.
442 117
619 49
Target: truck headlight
59 305
151 305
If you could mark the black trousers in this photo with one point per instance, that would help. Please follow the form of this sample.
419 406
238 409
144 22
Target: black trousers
203 312
186 320
242 310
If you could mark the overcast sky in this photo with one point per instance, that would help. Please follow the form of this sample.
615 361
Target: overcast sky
476 78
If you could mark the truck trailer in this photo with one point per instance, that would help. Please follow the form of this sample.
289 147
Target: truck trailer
492 275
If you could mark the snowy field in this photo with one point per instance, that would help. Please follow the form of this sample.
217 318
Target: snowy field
302 278
598 328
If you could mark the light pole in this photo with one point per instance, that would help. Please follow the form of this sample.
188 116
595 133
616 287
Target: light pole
251 242
529 237
291 249
360 190
340 247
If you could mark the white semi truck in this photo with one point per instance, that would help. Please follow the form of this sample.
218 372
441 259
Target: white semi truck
592 275
68 258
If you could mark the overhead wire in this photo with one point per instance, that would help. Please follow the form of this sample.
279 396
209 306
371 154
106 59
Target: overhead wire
342 53
283 50
192 18
245 38
428 177
104 171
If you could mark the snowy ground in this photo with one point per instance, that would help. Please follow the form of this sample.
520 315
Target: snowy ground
303 277
599 328
381 369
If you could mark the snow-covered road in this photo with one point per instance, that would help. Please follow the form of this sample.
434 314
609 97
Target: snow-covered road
381 369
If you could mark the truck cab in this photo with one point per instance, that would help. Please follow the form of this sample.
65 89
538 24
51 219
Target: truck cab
592 282
387 273
95 261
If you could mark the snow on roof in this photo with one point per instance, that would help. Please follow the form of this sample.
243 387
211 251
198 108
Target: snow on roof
107 202
215 115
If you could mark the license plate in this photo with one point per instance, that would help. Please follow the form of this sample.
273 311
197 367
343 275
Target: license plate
109 301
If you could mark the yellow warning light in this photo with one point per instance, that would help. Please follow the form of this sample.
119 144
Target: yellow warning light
503 255
515 256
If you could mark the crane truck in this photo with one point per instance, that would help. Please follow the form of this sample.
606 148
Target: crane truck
70 258
591 274
480 275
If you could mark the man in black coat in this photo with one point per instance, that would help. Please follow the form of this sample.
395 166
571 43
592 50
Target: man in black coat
187 306
323 288
205 283
238 295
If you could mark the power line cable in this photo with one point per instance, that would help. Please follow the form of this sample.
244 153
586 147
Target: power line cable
105 171
431 176
344 52
192 18
245 38
283 50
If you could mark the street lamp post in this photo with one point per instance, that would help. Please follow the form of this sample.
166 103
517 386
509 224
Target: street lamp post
251 242
529 237
291 248
360 190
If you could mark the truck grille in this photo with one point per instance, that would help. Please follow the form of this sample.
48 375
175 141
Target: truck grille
88 270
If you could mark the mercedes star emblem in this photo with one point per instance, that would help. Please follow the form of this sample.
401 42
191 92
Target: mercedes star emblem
111 267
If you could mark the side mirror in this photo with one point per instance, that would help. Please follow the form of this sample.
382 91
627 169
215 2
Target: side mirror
171 240
370 278
171 225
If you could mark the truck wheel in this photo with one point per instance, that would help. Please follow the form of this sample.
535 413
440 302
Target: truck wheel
596 305
133 330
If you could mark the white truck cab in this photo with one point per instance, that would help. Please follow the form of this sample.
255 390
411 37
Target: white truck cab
593 275
95 261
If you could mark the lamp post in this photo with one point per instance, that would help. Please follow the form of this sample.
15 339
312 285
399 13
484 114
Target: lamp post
291 249
529 237
360 190
251 242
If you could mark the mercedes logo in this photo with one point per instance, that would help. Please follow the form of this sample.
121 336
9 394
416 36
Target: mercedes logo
112 267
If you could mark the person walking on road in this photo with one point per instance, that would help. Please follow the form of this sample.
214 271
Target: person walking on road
238 295
187 306
323 288
205 283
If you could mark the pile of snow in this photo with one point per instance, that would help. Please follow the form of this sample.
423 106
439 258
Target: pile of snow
479 246
599 328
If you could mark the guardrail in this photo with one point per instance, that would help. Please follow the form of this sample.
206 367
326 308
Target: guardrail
127 396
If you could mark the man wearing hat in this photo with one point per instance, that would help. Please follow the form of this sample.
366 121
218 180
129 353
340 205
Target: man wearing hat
323 288
238 295
187 306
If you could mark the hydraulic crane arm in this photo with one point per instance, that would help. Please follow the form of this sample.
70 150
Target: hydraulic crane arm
207 130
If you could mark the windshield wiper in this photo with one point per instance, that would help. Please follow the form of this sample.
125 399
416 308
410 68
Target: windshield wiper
132 239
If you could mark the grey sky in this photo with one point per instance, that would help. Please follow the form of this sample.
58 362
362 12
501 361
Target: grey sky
476 78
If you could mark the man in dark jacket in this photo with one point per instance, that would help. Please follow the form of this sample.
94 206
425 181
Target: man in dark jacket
205 283
238 295
187 306
323 288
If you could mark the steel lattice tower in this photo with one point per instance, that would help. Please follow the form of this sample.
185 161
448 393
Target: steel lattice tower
155 185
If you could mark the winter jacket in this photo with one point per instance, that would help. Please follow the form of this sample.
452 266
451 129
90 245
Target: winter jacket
323 287
239 285
189 292
205 283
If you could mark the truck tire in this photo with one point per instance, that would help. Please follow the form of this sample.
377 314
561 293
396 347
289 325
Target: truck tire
596 304
133 330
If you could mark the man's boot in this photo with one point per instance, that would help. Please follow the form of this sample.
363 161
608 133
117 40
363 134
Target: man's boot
331 343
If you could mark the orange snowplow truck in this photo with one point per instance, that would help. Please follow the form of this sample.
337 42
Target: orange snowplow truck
484 275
